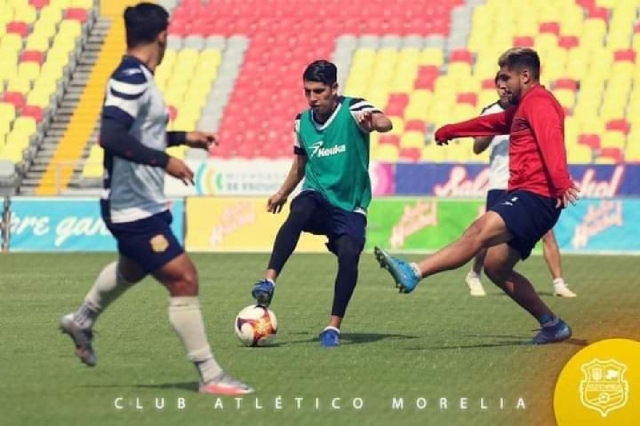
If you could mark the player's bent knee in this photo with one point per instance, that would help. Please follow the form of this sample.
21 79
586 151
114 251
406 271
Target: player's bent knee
184 285
348 249
497 274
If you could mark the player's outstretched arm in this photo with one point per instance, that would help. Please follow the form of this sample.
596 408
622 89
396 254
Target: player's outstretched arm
485 125
116 139
294 177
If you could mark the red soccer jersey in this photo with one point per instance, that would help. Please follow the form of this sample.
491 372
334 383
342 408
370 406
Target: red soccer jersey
537 154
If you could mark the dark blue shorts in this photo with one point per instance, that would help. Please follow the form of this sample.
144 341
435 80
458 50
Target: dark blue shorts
149 242
327 219
528 217
493 196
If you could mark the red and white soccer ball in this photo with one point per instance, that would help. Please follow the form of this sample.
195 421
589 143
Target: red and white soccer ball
256 326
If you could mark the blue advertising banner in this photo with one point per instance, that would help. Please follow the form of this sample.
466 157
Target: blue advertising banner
471 180
67 224
597 226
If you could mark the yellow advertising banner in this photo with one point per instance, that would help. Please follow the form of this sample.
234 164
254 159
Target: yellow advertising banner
218 224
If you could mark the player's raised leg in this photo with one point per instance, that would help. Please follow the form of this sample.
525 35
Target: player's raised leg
302 209
180 277
551 253
486 231
111 283
498 267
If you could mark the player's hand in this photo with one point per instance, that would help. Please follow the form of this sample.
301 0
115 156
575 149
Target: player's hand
365 120
276 202
442 135
569 196
201 140
179 170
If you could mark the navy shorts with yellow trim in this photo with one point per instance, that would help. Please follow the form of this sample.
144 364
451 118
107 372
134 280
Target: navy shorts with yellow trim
149 242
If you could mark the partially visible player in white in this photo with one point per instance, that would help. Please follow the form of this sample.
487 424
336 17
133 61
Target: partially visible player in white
498 181
133 134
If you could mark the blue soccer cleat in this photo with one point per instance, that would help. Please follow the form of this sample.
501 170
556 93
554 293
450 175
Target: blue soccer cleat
263 293
403 274
330 338
552 334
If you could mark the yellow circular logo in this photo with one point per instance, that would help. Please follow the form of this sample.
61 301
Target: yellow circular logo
600 385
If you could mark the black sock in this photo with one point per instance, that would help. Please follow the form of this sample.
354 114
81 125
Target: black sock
348 251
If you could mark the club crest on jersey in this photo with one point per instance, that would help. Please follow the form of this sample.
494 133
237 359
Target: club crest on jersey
604 387
159 243
318 151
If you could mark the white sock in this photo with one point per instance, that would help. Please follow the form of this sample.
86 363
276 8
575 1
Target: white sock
186 319
559 282
271 281
108 287
416 269
473 274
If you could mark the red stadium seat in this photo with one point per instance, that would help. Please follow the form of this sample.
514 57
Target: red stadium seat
488 83
34 112
32 56
17 99
410 154
614 153
461 55
397 104
39 4
415 125
523 41
592 141
549 27
619 126
566 83
568 42
599 13
628 55
467 98
389 139
76 14
20 28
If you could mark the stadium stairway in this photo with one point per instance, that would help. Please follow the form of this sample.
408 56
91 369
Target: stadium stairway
43 177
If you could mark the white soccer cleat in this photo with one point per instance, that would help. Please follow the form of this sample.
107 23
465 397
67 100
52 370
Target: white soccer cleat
224 384
474 284
81 338
563 290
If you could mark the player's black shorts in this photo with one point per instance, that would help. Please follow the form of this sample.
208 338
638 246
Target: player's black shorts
149 242
528 217
330 220
493 196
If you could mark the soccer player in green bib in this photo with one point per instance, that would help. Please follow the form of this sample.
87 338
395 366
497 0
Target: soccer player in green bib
332 156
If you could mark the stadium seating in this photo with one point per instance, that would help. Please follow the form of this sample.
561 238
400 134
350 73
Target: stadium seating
39 44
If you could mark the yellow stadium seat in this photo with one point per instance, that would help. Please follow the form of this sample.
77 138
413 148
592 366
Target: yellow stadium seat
60 4
469 84
412 139
387 153
37 42
433 153
632 153
29 70
83 4
593 31
592 127
579 154
567 98
363 59
49 15
26 125
26 14
378 96
70 27
398 125
19 84
487 97
432 56
404 82
7 112
11 43
613 140
462 112
39 98
526 28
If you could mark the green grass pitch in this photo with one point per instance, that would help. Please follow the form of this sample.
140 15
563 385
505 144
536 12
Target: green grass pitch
437 344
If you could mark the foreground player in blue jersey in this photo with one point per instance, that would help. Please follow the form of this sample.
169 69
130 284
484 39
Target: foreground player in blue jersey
134 136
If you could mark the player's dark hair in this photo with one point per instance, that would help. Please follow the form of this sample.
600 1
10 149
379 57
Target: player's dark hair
144 22
519 58
321 71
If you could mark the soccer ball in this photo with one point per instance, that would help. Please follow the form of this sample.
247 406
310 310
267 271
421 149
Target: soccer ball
256 326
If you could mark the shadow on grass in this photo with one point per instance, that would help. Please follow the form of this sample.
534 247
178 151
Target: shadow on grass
351 338
521 342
